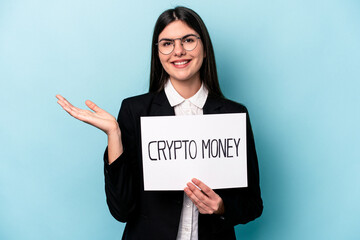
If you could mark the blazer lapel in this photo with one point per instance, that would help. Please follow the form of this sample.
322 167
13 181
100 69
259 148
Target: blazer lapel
161 106
212 105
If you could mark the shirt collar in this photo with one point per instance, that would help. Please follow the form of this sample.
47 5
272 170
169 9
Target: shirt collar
175 98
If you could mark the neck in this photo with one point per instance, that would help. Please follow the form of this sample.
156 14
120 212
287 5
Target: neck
186 89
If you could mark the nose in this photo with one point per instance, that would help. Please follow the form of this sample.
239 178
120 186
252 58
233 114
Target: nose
178 48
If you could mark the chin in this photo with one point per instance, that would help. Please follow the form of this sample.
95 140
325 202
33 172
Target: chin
182 78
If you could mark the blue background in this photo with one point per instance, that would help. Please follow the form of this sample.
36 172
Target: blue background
294 64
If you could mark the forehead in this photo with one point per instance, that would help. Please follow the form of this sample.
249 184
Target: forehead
176 29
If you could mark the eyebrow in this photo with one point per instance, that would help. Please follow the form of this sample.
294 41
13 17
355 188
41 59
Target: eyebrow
172 39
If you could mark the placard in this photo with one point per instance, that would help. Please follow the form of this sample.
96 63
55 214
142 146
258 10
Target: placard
211 148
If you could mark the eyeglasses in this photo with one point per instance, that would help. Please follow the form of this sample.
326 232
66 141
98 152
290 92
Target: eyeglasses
188 42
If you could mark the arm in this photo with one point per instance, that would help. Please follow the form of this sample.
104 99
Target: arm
122 178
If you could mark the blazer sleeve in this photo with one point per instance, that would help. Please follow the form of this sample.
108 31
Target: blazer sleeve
243 204
122 176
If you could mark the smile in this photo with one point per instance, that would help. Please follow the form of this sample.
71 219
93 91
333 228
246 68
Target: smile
181 64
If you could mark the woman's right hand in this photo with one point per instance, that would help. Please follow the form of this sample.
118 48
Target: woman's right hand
97 117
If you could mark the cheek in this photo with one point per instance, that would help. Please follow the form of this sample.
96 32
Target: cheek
163 60
199 58
199 54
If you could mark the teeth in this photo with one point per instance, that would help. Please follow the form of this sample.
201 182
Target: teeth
181 63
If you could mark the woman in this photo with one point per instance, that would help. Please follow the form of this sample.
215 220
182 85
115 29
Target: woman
183 81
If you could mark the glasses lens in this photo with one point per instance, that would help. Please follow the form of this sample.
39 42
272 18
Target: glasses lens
189 43
166 46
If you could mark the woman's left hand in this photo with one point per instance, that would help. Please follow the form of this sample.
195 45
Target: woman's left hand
205 199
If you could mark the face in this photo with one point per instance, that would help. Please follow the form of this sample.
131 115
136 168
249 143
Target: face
181 65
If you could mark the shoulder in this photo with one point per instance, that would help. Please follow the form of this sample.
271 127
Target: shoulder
133 107
142 104
230 104
136 104
139 99
226 105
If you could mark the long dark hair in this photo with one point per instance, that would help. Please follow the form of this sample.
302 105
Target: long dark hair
208 73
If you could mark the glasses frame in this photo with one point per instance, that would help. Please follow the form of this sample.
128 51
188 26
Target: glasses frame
172 40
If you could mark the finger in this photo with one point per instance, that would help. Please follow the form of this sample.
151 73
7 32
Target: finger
199 194
63 102
62 99
93 106
64 105
71 111
214 204
78 113
203 208
58 96
74 111
208 191
68 107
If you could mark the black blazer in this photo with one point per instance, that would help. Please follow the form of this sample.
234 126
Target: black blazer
156 214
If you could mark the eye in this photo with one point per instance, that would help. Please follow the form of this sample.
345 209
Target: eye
189 39
165 43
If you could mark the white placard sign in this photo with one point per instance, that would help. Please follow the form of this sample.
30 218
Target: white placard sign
211 148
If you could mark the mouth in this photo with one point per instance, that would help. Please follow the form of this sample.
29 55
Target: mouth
181 63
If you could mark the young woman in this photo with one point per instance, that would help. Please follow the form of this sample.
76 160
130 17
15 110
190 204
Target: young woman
183 81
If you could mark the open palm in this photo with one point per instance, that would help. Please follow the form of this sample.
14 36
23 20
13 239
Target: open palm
97 117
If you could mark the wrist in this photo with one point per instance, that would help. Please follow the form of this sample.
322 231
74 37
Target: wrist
114 131
115 147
